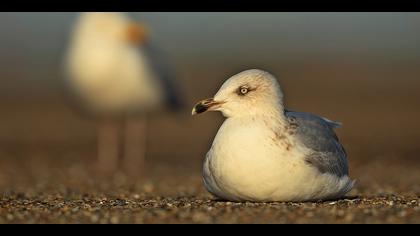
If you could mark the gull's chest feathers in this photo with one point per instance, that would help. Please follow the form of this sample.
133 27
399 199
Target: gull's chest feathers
249 158
253 139
248 139
113 79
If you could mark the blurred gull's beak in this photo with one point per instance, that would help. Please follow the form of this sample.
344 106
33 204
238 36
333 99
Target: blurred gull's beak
136 33
206 105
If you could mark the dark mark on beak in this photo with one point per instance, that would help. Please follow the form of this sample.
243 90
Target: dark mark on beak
204 106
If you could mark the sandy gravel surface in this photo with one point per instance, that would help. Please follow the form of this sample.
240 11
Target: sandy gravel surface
79 194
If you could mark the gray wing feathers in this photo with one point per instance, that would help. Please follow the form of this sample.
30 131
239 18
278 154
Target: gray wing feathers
317 134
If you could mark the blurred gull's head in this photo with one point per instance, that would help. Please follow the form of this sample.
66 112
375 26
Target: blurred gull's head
110 28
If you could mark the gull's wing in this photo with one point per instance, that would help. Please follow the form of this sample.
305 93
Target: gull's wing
165 74
317 134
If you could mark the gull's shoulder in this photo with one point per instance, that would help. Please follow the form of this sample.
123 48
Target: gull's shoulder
311 119
316 130
317 134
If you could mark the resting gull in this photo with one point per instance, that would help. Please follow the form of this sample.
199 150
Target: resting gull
264 152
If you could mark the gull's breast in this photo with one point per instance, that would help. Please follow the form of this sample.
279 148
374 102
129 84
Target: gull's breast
248 162
117 80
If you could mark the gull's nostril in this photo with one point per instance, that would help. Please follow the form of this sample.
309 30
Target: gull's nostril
207 101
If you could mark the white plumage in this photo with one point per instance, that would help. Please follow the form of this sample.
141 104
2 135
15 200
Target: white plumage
263 152
112 73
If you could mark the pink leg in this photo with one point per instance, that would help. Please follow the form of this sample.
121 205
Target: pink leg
108 145
135 146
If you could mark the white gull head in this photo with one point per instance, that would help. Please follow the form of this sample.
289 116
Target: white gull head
251 92
110 29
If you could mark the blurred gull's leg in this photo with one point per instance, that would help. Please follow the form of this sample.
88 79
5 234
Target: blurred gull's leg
108 145
135 146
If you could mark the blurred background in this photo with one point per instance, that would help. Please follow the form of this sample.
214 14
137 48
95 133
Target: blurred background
361 69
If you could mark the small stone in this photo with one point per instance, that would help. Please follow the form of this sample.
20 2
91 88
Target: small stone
114 220
148 188
349 217
310 214
94 218
402 213
200 217
9 217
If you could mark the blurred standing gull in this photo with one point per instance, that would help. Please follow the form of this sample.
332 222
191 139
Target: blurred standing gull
114 73
264 152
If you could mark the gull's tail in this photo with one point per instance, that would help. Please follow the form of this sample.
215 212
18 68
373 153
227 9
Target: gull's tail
347 187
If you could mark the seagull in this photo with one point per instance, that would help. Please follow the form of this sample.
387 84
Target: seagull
266 153
115 74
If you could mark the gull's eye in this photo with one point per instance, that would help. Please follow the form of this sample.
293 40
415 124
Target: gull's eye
243 90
